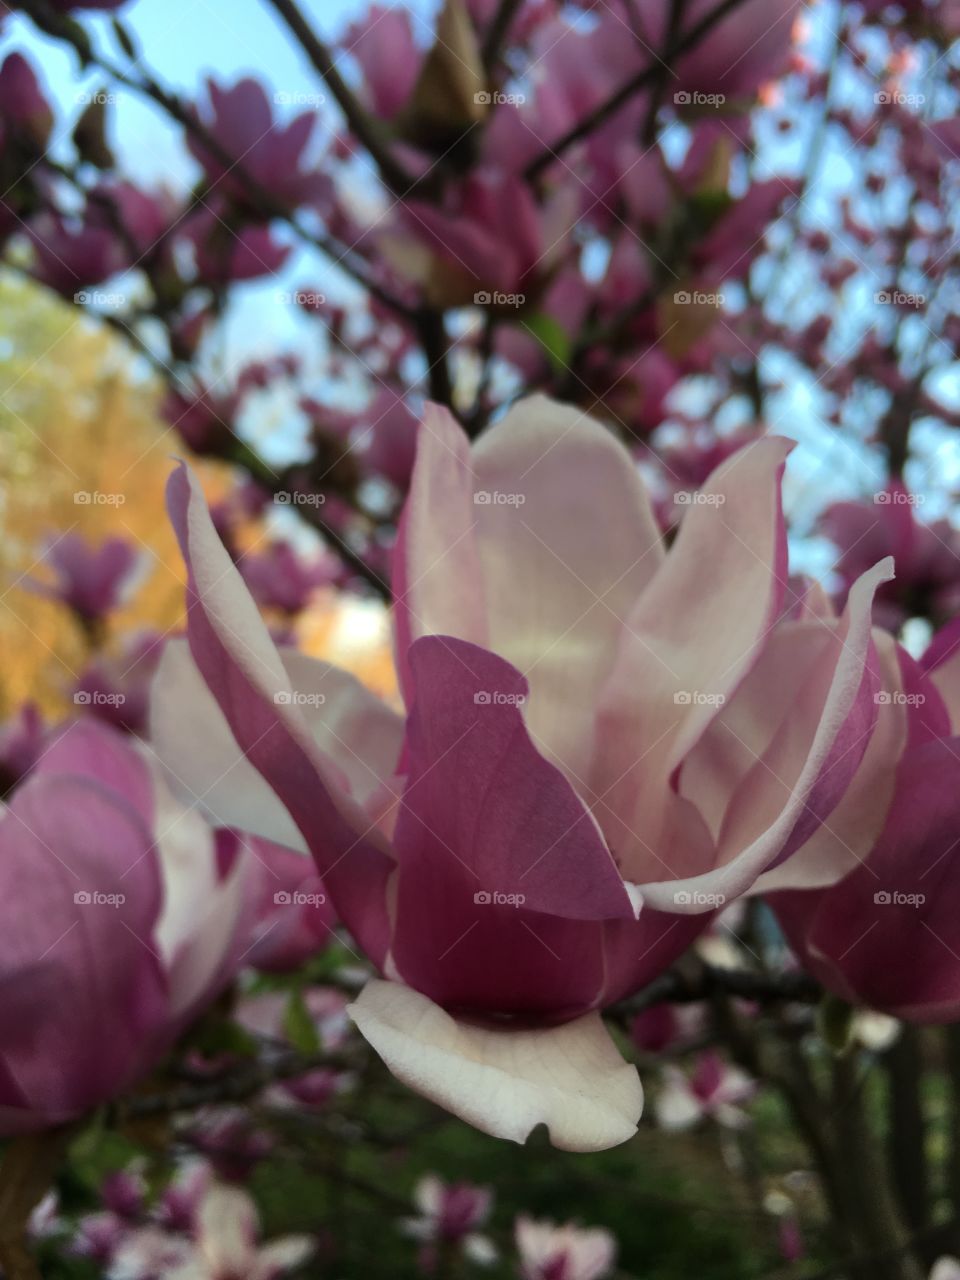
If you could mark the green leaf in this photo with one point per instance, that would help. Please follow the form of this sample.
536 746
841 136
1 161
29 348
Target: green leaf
554 339
835 1024
299 1026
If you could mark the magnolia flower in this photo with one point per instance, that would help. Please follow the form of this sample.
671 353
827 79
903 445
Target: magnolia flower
226 1245
294 918
945 1269
265 1015
70 254
549 1252
101 1237
147 1254
604 743
180 1200
449 1214
382 43
121 915
664 1025
92 581
115 686
901 898
714 1090
928 569
241 121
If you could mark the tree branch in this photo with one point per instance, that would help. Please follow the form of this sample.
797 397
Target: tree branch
680 987
366 127
636 84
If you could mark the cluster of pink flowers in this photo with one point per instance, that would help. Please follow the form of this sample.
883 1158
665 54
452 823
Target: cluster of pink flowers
198 1228
489 195
450 1216
605 743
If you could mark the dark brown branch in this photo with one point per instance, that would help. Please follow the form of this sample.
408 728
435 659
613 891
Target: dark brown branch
906 1142
238 1086
433 339
681 987
497 32
366 127
258 197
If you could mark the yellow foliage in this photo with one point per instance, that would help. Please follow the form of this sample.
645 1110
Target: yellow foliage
77 417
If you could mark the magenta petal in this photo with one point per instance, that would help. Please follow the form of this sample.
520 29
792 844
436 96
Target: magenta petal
83 1000
479 786
91 750
234 653
903 902
505 885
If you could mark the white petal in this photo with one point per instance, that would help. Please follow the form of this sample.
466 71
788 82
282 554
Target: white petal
676 1108
193 742
192 739
282 1255
505 1082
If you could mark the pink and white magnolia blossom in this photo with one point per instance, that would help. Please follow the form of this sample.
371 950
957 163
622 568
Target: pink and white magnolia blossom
226 1243
90 580
568 1252
714 1090
449 1216
604 742
901 897
121 915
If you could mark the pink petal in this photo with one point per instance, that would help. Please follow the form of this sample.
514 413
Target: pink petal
801 771
848 833
233 651
903 902
545 578
83 997
694 634
485 815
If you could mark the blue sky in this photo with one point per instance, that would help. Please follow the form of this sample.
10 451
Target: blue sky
230 38
184 42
